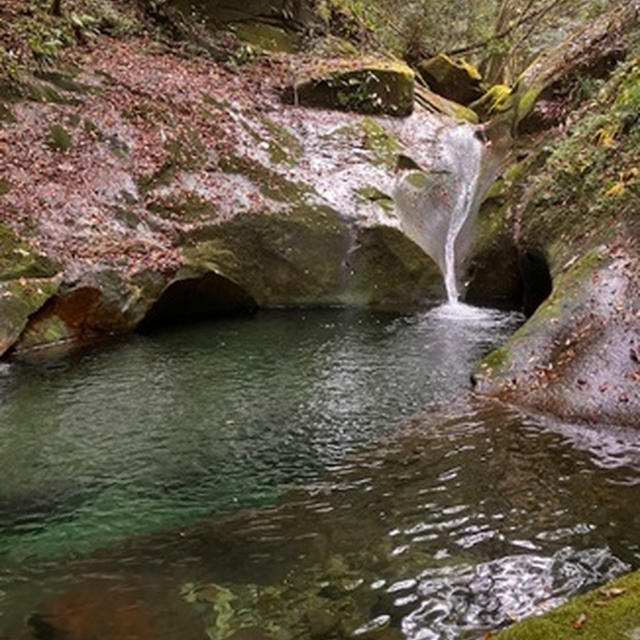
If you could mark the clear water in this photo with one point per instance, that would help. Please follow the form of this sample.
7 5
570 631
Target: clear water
296 469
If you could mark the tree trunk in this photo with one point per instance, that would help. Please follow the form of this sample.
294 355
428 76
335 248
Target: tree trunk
493 66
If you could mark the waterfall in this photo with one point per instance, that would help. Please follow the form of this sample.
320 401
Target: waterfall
467 156
437 205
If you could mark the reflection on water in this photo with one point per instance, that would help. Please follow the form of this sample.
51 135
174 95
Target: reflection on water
442 524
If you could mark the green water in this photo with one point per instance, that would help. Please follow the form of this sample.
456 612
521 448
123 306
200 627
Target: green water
249 474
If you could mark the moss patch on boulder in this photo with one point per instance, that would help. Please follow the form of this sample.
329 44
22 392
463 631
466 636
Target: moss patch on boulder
19 299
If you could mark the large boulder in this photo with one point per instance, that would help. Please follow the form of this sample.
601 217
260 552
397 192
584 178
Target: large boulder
379 87
456 80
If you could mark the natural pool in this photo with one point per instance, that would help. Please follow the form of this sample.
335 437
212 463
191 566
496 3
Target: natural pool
297 474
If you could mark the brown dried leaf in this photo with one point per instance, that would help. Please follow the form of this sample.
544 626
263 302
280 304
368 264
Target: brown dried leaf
579 622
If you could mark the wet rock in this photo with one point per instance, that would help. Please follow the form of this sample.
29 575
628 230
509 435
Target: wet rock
377 88
109 612
250 633
579 264
101 304
321 623
455 80
26 283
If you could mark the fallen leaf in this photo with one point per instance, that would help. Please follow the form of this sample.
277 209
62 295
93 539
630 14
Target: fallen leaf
579 623
612 592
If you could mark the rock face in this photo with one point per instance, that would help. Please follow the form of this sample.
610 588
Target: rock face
184 179
574 206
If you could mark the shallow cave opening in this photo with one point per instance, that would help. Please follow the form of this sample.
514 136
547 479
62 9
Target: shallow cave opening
192 299
537 283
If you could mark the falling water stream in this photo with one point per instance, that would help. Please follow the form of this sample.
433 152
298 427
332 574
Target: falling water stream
469 151
439 203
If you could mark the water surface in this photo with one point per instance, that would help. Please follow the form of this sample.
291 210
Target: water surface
295 469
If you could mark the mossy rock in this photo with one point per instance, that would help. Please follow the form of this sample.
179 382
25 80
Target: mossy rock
436 103
290 258
267 37
381 88
456 80
19 299
497 99
593 52
101 304
310 256
18 260
608 613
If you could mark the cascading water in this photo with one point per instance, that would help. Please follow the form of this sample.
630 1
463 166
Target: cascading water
468 151
438 205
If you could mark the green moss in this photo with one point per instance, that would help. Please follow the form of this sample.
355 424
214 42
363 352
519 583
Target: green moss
271 183
19 299
118 147
127 217
58 138
17 260
5 186
283 146
383 146
55 330
64 82
466 114
419 180
42 92
187 152
435 102
515 172
603 617
527 102
373 194
6 115
90 127
268 37
497 99
190 208
495 361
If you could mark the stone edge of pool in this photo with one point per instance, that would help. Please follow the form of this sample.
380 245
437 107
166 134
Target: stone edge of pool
611 612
